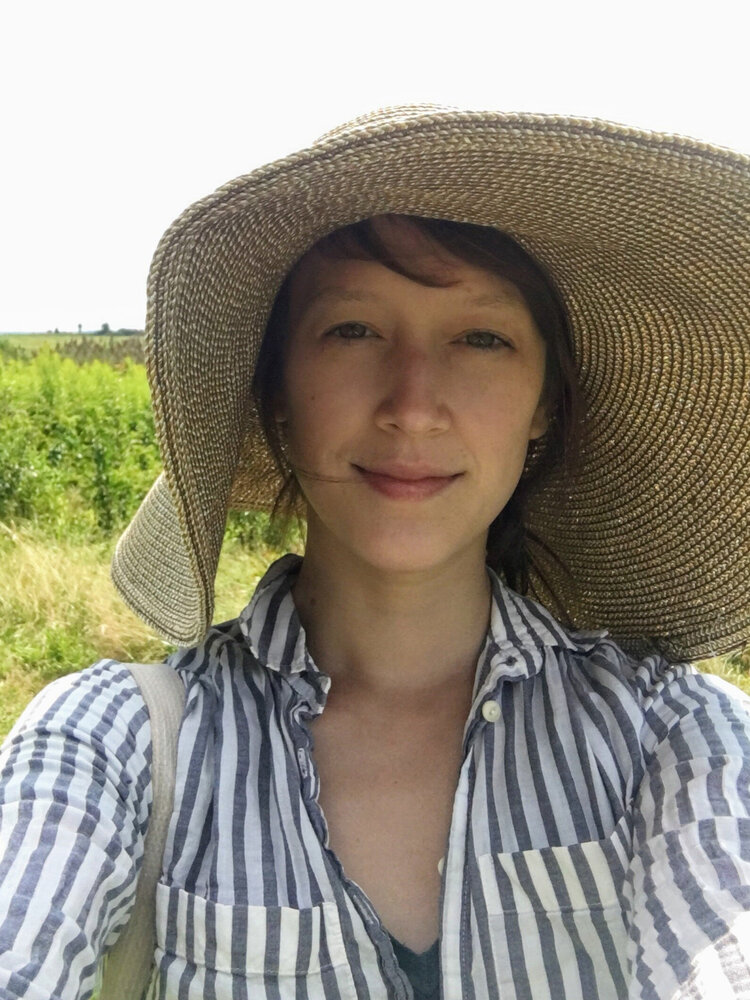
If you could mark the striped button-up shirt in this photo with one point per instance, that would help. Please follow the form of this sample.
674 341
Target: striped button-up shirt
599 843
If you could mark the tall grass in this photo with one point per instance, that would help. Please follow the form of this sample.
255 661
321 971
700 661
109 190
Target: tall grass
59 611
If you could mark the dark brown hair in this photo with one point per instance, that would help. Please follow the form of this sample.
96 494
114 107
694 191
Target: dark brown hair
509 543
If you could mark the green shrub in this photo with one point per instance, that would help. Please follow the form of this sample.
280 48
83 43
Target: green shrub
77 445
78 451
254 530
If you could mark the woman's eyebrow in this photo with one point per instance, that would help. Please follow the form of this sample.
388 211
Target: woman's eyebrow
332 294
495 299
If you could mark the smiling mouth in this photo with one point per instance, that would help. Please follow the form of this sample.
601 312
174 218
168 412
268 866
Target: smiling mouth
407 483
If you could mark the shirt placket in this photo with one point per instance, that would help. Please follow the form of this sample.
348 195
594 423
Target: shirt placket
456 946
396 982
455 934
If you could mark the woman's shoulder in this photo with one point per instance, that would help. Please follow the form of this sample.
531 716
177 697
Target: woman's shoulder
612 664
87 737
671 700
76 794
103 696
663 704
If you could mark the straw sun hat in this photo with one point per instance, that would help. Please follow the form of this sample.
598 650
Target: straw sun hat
646 237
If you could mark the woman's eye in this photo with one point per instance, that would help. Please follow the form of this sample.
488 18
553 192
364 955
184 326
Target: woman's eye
485 339
351 331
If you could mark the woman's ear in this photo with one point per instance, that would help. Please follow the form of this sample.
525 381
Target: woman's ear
279 410
539 422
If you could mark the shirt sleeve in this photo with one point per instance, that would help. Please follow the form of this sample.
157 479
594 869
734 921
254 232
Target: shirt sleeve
75 800
690 930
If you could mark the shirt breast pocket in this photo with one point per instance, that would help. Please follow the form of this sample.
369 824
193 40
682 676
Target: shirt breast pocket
558 920
202 945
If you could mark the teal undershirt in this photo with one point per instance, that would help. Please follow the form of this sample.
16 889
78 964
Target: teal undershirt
422 971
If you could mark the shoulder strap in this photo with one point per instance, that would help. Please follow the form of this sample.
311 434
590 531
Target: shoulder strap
128 965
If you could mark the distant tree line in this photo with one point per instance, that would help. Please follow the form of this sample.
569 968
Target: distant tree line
122 332
104 331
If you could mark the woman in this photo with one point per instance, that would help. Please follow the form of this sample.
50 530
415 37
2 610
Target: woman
396 775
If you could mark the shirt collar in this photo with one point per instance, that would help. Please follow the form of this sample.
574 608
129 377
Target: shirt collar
519 633
270 623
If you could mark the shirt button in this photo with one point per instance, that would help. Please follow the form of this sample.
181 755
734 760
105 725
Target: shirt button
441 865
491 711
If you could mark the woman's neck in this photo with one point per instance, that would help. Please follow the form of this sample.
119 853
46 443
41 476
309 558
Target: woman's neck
394 634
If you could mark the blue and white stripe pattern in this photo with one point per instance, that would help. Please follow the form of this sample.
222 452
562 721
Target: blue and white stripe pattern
599 844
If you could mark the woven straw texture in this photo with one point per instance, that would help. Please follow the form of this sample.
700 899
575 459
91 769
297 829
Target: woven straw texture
647 239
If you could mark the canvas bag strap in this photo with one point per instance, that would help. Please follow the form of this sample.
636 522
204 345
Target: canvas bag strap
127 966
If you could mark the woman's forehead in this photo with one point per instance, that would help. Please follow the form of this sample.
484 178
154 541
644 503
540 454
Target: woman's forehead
407 242
321 280
424 259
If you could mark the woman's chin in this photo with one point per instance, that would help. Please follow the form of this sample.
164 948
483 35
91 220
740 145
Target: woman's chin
413 555
395 545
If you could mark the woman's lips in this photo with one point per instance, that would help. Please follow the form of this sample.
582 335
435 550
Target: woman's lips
406 483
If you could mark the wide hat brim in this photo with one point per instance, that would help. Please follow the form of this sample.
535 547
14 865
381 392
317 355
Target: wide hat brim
646 237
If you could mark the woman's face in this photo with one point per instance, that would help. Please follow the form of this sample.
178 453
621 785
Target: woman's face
408 409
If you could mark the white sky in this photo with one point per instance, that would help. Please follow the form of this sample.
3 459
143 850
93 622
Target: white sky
115 116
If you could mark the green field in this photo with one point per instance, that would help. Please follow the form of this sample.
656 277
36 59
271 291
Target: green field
77 455
34 341
112 350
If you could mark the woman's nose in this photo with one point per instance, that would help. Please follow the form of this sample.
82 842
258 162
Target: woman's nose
413 395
